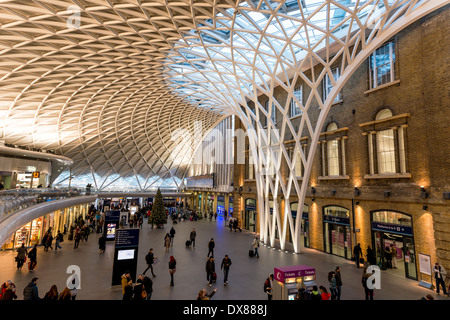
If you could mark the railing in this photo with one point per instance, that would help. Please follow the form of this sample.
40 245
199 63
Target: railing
15 200
12 201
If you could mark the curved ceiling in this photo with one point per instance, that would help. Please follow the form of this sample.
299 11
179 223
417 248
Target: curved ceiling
107 82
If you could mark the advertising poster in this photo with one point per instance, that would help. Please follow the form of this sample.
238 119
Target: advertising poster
425 263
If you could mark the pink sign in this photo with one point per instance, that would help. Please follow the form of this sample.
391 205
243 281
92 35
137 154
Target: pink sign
282 273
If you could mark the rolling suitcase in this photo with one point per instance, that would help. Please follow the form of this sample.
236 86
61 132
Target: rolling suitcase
188 243
251 253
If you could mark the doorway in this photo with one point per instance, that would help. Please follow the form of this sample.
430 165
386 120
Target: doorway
393 243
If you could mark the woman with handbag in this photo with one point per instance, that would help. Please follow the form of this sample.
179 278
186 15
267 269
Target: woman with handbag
172 269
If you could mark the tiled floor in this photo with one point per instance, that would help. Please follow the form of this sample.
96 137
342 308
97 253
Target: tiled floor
246 277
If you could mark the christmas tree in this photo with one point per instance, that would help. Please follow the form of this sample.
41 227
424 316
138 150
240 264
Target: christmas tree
158 216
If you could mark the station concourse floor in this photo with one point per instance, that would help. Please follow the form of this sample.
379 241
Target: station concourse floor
246 276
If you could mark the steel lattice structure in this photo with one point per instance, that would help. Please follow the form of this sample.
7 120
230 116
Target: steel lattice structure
109 92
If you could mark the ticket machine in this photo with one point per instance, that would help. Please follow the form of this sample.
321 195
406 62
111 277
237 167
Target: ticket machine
287 281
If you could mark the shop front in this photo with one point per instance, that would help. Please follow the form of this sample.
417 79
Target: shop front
337 232
32 232
221 205
304 227
230 206
393 242
250 215
210 203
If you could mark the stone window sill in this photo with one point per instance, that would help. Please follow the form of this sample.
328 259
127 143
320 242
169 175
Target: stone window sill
334 178
386 85
388 176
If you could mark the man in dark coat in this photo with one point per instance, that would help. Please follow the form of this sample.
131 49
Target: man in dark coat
30 292
149 259
357 253
32 255
226 263
211 246
210 270
102 244
172 234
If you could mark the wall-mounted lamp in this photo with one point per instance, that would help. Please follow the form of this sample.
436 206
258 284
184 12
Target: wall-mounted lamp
357 191
313 190
240 189
357 203
387 194
333 192
313 199
424 208
423 193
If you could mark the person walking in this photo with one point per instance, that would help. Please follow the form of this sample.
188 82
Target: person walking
225 266
332 282
268 286
86 233
338 283
48 241
167 242
211 246
77 237
102 244
210 270
59 238
32 255
172 235
192 237
255 245
21 256
357 253
172 269
31 292
439 276
150 259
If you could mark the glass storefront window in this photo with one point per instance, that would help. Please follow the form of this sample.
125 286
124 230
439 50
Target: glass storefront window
392 218
337 233
336 211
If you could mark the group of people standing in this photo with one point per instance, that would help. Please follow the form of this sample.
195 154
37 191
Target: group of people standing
315 292
31 292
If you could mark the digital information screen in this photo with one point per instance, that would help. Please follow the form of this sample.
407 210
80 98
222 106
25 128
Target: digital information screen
125 254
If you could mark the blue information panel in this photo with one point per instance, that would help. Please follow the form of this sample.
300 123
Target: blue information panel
127 238
392 228
336 220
